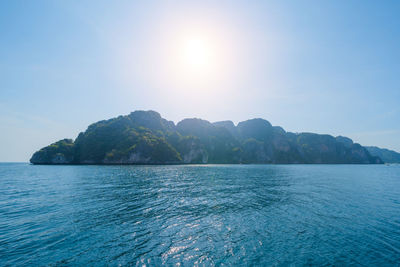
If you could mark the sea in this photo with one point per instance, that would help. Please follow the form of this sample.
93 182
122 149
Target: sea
199 215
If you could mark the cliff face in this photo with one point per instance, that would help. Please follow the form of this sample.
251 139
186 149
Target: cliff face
388 156
144 137
61 152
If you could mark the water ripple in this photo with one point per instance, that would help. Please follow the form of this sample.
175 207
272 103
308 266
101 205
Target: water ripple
214 215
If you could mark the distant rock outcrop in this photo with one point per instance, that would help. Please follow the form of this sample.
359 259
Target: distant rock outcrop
144 137
61 152
388 156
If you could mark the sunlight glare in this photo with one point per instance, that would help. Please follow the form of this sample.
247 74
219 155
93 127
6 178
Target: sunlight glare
197 56
196 53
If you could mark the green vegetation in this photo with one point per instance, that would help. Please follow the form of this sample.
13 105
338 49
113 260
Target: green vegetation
388 156
144 137
60 152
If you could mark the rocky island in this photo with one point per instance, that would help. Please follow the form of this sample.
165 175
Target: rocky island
144 137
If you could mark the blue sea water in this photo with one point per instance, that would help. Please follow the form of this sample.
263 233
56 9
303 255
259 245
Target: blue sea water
223 215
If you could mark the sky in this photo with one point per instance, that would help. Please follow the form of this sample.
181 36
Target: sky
329 67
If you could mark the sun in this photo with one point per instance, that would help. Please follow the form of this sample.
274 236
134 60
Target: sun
194 59
198 55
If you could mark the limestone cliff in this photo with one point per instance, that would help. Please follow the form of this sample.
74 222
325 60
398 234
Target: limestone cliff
144 137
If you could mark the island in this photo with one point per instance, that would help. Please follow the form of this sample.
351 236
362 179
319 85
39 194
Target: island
144 137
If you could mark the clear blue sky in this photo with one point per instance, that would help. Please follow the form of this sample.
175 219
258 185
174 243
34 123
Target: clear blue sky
317 66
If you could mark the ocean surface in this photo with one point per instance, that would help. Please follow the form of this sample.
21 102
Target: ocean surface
222 215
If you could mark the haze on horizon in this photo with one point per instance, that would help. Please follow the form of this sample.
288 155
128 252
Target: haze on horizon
323 67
